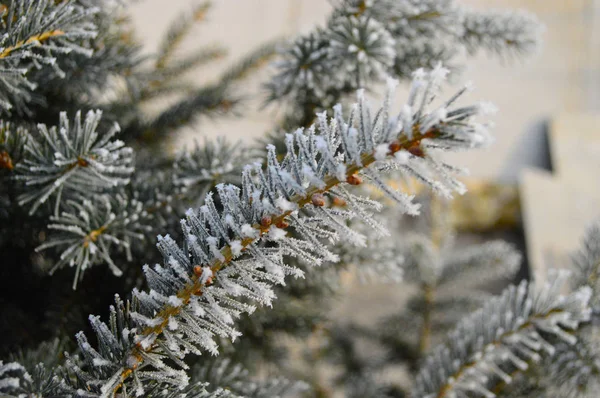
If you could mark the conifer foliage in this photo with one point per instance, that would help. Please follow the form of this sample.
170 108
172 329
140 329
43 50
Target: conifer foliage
87 184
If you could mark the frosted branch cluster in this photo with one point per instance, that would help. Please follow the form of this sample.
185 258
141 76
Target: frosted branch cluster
73 159
234 256
365 40
509 332
25 45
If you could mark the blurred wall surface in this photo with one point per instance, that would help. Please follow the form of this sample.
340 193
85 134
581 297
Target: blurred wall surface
563 77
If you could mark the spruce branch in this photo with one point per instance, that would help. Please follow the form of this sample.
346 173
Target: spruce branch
575 368
89 231
72 159
34 33
363 41
502 338
511 33
196 294
196 390
36 372
449 281
361 46
586 265
11 376
180 66
213 99
177 32
222 372
198 171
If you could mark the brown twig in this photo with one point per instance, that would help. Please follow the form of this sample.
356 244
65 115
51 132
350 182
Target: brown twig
195 286
33 39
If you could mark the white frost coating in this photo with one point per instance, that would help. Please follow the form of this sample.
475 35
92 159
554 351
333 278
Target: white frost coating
206 273
173 324
381 151
107 163
402 156
439 73
249 232
340 172
214 249
229 221
277 233
285 205
320 142
312 177
236 247
100 362
147 341
175 301
502 336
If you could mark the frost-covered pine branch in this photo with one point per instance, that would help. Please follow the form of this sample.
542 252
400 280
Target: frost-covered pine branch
34 33
178 30
39 372
504 33
574 370
365 40
201 169
503 338
72 159
222 372
451 282
586 265
443 280
214 99
205 284
89 231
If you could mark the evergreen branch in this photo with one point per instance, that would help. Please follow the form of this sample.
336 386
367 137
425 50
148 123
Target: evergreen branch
11 376
501 32
249 63
68 160
215 98
88 232
196 390
34 33
194 296
504 336
233 377
38 372
499 259
181 66
178 30
575 369
205 101
200 280
200 170
33 40
586 265
363 41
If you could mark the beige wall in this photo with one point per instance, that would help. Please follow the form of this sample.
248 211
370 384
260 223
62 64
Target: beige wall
563 77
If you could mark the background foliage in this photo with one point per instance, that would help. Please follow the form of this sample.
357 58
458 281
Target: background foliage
88 188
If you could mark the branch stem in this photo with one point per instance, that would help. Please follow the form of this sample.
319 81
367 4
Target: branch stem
33 39
447 388
196 285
